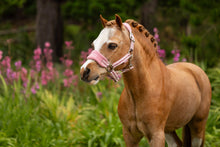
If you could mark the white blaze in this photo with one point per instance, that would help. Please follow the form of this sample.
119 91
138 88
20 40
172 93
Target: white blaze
103 38
99 41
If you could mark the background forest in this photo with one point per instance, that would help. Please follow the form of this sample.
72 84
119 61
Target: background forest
43 44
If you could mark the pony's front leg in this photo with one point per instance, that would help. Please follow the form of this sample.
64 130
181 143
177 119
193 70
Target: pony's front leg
131 140
157 139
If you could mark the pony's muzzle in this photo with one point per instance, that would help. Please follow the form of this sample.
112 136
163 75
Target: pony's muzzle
91 73
87 77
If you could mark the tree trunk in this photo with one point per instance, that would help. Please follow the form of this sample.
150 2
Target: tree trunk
147 14
49 26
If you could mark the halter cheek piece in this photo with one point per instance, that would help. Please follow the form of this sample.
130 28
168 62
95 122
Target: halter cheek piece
110 68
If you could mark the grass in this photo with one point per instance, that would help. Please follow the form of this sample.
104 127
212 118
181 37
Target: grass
75 117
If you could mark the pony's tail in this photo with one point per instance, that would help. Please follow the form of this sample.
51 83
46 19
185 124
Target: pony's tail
186 136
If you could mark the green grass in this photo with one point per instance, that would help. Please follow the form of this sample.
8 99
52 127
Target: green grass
58 117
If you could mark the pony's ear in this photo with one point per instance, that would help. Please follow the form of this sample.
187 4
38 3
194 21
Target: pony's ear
118 20
103 20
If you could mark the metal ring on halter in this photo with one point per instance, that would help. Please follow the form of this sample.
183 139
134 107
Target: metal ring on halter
109 68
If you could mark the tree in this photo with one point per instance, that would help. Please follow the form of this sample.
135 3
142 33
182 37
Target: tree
50 25
147 14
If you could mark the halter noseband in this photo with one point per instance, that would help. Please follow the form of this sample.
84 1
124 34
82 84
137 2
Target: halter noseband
103 61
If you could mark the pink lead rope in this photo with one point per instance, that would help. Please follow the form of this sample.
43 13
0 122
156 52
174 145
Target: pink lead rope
103 62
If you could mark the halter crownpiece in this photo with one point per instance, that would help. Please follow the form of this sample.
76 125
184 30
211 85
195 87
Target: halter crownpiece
110 68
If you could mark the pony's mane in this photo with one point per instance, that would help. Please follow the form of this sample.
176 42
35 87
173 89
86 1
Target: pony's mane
145 33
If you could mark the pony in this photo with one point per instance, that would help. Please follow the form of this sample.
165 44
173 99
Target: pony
156 99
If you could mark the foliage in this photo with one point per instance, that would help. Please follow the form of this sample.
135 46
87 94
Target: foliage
194 27
52 118
99 125
213 126
215 80
88 11
11 7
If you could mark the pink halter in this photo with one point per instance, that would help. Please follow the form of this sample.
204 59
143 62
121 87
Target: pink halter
103 62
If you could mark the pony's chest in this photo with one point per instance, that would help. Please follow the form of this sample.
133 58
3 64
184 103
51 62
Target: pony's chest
130 116
130 120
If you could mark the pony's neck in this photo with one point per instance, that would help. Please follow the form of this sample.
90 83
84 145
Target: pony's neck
147 75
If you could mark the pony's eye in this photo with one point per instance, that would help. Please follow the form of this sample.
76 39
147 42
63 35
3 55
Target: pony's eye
112 46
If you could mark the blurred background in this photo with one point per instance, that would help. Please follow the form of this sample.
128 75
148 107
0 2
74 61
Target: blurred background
189 25
43 43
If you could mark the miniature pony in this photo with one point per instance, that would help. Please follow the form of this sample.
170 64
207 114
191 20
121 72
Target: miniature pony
156 99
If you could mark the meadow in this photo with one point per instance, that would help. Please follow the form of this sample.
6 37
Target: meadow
44 104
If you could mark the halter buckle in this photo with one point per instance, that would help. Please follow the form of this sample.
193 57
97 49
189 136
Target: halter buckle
132 37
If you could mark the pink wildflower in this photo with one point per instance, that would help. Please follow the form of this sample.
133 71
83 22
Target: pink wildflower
24 84
24 77
24 70
1 54
37 51
6 62
175 51
18 64
84 55
68 62
8 73
43 78
36 57
48 54
38 65
11 75
184 60
47 44
68 73
99 94
175 59
155 30
176 54
162 53
66 82
33 73
68 43
50 65
33 90
37 86
156 36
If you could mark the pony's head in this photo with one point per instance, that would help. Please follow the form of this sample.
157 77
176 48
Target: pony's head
111 48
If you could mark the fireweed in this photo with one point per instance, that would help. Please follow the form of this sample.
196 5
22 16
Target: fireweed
162 52
41 70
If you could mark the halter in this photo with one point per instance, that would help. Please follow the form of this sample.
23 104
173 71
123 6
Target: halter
103 61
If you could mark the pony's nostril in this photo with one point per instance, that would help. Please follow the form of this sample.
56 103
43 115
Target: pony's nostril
86 74
87 71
